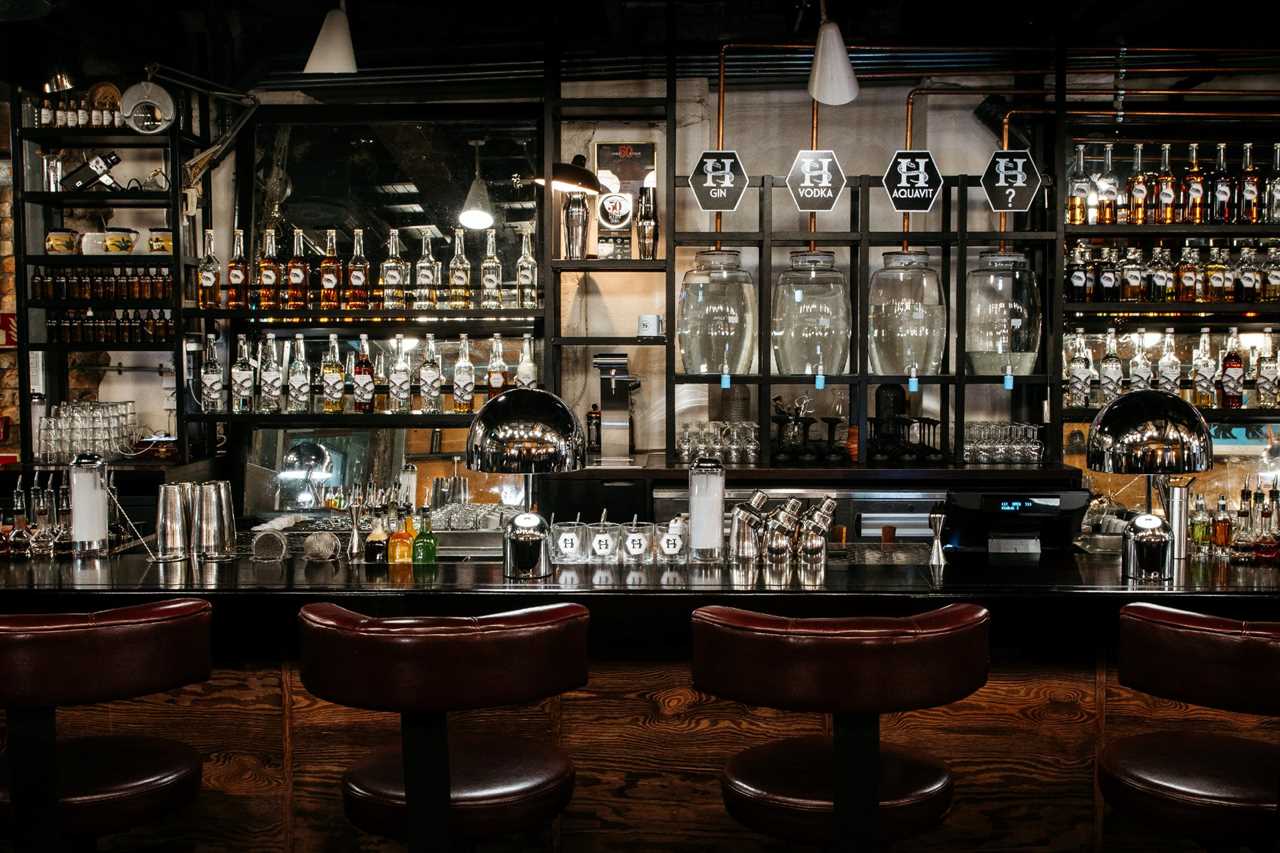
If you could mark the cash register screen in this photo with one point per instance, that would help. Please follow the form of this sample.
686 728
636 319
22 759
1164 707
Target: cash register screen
1011 505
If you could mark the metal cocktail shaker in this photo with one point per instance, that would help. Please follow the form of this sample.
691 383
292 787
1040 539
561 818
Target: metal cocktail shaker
647 223
780 529
577 214
746 528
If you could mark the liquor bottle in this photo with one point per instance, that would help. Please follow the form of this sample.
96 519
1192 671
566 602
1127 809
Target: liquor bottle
210 275
400 379
459 273
82 112
1248 276
496 376
400 542
1215 274
1077 274
242 379
332 378
330 272
1194 205
1166 208
1133 276
237 274
362 379
1108 190
1137 190
1200 527
1169 367
1108 276
355 296
270 379
527 274
1188 275
1140 373
1271 276
1273 187
269 273
1111 371
424 544
430 377
526 369
297 275
424 276
1079 187
20 536
299 386
1249 206
1242 541
381 399
213 398
1161 281
1231 383
490 272
464 377
1266 546
1221 539
375 544
1204 369
1222 191
1080 375
395 275
1268 375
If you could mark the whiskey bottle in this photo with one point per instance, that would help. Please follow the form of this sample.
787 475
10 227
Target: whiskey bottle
297 275
355 296
395 275
1111 371
1221 539
332 379
497 374
1079 187
210 275
527 274
1169 367
1231 385
1248 276
270 379
1108 190
1204 371
400 543
1271 276
464 377
1215 274
1268 376
490 273
1137 190
237 275
424 276
381 399
213 398
362 379
1194 205
1108 281
1140 373
269 273
400 379
1077 275
1272 200
526 369
430 377
299 385
1167 209
1079 375
330 272
1249 206
1222 202
1161 281
459 273
1133 276
1190 275
242 379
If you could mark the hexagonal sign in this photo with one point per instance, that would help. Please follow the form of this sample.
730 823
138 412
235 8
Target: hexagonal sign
1011 181
719 180
815 180
912 181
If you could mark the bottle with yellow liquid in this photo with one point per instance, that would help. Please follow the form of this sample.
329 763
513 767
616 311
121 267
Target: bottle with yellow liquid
400 543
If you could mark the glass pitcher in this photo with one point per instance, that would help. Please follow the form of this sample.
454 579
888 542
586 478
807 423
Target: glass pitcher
1003 322
811 316
716 315
906 316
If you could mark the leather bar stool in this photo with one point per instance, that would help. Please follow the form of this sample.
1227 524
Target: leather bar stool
437 788
71 791
1219 790
821 790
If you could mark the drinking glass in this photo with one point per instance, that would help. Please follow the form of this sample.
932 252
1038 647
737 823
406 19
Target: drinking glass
569 542
637 543
672 542
606 540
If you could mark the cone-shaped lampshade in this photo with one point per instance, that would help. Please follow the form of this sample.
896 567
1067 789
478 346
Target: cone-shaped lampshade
333 52
477 213
831 79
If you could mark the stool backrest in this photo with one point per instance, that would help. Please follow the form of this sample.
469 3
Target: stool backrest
1205 660
442 663
79 658
862 664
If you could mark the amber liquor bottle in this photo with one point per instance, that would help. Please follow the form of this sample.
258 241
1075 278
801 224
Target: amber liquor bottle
1249 205
1195 207
330 272
297 275
269 273
1166 191
1108 185
237 274
362 379
1231 385
1137 190
1222 200
210 275
356 295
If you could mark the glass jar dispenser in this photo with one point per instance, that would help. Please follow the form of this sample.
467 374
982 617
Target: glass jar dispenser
811 316
716 315
906 316
1002 330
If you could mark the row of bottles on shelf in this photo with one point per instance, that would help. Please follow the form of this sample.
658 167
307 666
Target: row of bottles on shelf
1215 380
398 536
46 533
70 110
1107 277
1222 195
115 284
122 326
1251 534
355 285
272 382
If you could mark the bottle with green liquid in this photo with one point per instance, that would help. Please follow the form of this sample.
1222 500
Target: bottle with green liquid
424 544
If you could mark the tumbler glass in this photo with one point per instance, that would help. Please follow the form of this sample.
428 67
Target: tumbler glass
569 542
606 541
672 542
637 543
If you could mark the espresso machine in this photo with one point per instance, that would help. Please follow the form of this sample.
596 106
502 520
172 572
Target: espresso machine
617 434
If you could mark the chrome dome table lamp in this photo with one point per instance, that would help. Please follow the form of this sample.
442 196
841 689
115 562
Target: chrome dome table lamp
1160 435
526 431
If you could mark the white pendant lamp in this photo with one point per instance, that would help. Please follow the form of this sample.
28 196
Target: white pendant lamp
333 52
477 210
831 79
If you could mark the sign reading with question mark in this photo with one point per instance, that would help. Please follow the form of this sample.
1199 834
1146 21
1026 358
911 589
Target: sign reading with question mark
1011 181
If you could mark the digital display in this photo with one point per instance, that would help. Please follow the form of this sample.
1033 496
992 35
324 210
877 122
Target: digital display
1019 504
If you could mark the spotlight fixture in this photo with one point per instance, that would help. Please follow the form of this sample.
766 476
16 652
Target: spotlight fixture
573 177
477 211
333 52
831 77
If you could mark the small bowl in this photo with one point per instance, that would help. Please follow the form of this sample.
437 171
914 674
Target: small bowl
61 241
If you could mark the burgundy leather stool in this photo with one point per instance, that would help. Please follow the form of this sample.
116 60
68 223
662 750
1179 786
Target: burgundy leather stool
69 792
436 789
820 790
1219 790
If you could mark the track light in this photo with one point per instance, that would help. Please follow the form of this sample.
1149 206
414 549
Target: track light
477 211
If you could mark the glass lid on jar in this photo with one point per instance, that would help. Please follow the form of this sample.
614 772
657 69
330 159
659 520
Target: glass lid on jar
905 257
718 258
806 258
1002 258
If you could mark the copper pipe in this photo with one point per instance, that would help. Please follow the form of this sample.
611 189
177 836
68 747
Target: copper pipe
813 144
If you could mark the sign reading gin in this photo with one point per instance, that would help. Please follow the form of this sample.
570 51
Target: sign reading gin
912 181
719 180
815 180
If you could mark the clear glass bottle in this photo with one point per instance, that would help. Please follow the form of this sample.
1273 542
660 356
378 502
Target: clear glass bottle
1079 374
490 272
1200 527
242 379
1003 322
1190 275
210 295
1271 276
716 315
497 374
907 316
400 379
1216 271
298 400
424 276
1249 204
1108 282
1169 367
527 274
1272 200
213 397
1167 209
1222 524
1195 207
355 294
297 274
1133 276
333 379
1248 276
1137 191
1076 273
811 327
394 274
237 274
331 273
1242 539
1204 370
526 369
430 377
381 397
1108 184
460 297
270 379
464 378
1162 282
1079 189
362 382
269 273
1140 372
1231 381
1268 387
1111 370
1222 191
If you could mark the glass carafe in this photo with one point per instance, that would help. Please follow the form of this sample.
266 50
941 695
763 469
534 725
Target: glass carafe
810 331
1003 322
907 316
716 315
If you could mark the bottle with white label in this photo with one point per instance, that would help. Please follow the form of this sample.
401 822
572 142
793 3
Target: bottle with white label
395 274
490 273
1271 202
212 390
1248 275
1079 374
1140 373
237 274
459 273
430 377
1231 383
270 379
1169 367
1268 387
400 380
210 294
1161 282
299 385
381 397
362 379
1271 276
1079 188
242 379
1111 371
527 274
330 273
355 297
1108 184
464 378
526 369
332 378
1204 371
497 373
424 276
